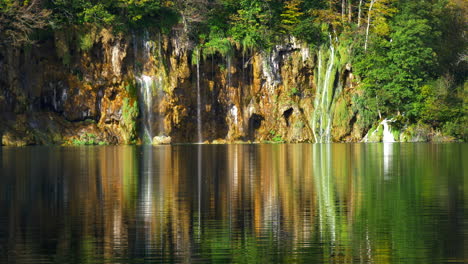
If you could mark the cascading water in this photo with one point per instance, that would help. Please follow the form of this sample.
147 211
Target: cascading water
199 124
387 134
387 137
322 118
145 84
233 110
150 87
228 72
115 60
234 114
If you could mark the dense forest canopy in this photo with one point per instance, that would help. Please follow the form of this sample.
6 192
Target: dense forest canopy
410 56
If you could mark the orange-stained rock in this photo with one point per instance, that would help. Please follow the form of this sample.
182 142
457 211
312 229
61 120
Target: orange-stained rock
68 95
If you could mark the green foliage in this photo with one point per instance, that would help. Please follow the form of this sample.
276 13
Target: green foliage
88 139
394 69
342 114
415 64
275 138
291 15
293 92
86 41
196 56
254 24
130 114
443 105
120 14
408 68
131 90
309 31
217 43
96 14
62 49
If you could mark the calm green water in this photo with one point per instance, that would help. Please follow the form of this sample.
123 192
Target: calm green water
302 203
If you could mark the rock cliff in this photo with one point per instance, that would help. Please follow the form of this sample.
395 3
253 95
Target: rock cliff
96 87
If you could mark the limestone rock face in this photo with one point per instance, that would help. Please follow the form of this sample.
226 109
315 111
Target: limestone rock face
142 87
161 140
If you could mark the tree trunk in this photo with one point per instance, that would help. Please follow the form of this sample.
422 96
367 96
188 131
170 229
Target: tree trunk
359 14
368 22
343 8
350 10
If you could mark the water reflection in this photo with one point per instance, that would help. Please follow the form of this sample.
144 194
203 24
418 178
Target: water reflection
236 203
387 159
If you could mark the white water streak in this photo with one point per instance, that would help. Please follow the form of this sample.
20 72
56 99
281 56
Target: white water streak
322 119
387 134
145 86
115 59
199 124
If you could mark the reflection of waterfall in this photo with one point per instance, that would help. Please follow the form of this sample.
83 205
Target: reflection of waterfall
199 131
387 139
146 183
145 87
322 117
325 191
199 176
387 159
145 202
233 185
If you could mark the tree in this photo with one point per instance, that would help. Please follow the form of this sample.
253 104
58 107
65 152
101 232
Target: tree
394 69
380 10
19 19
253 25
291 15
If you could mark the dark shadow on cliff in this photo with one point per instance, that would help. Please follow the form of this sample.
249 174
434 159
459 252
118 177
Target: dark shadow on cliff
255 122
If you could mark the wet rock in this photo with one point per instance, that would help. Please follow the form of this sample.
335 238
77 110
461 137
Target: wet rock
94 91
17 139
219 141
162 140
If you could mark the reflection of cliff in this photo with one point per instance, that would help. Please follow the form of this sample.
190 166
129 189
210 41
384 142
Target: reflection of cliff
317 202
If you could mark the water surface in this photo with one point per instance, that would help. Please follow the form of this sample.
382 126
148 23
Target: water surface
291 203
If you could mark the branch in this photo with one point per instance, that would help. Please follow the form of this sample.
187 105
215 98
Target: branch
18 22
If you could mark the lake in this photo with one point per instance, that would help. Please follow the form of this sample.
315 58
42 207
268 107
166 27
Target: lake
285 203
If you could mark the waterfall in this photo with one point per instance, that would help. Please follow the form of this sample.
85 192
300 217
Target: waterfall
148 45
271 68
150 85
115 60
234 114
326 100
322 118
233 111
228 73
199 131
387 134
145 86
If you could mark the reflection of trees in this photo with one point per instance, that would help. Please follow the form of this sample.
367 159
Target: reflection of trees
268 203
